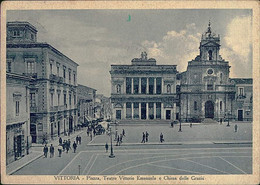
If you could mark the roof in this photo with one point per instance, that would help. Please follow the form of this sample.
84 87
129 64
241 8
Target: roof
21 23
83 86
242 80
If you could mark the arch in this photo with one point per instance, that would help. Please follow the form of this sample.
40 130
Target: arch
209 109
168 88
210 54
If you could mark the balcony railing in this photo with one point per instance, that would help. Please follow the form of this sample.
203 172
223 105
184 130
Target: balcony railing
56 78
33 75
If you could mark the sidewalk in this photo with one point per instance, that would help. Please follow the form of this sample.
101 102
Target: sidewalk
36 153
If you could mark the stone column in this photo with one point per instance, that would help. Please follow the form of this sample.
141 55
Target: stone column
132 107
139 89
163 86
124 111
154 85
139 110
147 111
132 85
162 111
154 110
174 112
147 85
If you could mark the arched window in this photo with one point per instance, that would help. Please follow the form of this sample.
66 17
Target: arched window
118 88
168 88
195 105
210 55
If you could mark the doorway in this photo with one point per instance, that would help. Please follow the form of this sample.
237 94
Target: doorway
118 114
209 109
143 110
240 115
168 114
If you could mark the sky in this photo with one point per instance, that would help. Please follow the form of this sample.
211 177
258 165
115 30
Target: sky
95 39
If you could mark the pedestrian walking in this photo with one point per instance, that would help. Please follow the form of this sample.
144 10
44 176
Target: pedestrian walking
80 140
45 151
77 139
90 136
60 150
51 151
235 127
87 131
146 136
143 140
60 140
69 143
118 141
190 125
221 121
121 138
74 146
161 138
123 132
64 145
94 132
106 147
171 124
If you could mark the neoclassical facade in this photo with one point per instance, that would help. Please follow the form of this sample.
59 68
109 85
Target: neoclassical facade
53 88
206 91
143 90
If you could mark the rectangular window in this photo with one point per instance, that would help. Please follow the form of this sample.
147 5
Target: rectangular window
158 110
136 85
143 85
151 85
58 70
220 105
158 85
209 87
128 85
51 68
69 76
241 91
151 110
30 67
136 110
74 78
75 100
65 100
51 99
64 73
8 66
17 108
128 110
32 100
195 105
70 99
58 99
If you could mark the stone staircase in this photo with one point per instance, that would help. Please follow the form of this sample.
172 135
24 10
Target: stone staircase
154 122
209 121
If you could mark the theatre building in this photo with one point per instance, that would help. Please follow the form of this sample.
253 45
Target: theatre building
143 90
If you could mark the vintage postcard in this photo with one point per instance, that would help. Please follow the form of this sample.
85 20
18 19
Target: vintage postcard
130 92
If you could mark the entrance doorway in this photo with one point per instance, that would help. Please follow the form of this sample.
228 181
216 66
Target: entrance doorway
143 110
168 114
33 133
118 114
240 115
209 109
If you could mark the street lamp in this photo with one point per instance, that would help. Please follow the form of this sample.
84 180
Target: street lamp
111 151
228 119
180 118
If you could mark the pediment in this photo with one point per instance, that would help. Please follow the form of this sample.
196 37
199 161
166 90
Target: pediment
211 43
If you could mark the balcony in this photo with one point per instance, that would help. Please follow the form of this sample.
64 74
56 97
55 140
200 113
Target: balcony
56 78
54 108
33 109
32 75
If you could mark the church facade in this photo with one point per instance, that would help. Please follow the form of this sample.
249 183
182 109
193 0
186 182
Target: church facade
206 90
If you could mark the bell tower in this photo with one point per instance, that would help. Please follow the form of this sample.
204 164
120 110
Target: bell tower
209 46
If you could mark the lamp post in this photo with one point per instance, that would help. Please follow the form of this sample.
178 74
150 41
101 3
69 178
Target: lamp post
180 118
116 131
111 151
228 119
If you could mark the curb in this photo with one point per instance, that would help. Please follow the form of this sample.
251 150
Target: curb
23 165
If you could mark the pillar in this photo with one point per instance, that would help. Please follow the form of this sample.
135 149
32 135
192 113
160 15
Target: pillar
162 112
124 111
147 111
147 86
154 82
163 86
139 89
132 107
132 86
174 112
139 110
154 110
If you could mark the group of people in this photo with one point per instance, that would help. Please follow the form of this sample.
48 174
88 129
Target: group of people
145 137
120 138
64 145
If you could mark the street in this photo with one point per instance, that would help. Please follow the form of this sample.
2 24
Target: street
186 152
